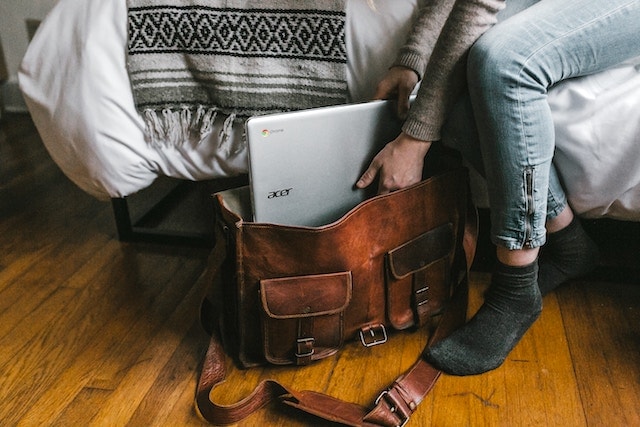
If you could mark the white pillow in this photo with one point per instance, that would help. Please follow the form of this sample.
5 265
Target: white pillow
76 86
374 36
597 123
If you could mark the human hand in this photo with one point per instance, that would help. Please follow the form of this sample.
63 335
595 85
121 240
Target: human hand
399 164
399 82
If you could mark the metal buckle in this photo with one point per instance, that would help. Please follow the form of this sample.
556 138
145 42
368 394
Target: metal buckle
421 295
373 338
308 353
392 407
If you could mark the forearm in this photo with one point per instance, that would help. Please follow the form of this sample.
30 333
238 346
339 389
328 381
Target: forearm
445 76
425 31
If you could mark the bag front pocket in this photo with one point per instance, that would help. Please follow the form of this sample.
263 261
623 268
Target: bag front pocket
303 316
418 277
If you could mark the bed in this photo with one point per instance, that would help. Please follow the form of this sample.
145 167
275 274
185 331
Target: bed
76 87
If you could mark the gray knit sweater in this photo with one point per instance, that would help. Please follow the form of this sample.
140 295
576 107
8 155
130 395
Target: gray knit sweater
437 49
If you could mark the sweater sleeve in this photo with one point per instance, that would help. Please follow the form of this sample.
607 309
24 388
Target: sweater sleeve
422 39
444 77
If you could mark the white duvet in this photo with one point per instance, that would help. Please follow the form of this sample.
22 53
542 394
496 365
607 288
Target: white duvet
76 86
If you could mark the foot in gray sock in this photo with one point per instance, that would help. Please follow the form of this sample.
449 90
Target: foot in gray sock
568 253
512 304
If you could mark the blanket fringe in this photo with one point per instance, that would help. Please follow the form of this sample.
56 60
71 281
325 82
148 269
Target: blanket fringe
225 140
173 128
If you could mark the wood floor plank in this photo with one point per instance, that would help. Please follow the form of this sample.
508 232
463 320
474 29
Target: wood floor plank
168 387
602 322
43 227
59 330
548 389
143 320
30 289
27 374
140 377
34 303
103 361
180 415
79 412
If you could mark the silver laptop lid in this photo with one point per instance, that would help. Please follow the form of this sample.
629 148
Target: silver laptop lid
303 165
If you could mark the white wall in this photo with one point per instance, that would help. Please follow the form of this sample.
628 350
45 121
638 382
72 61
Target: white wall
14 38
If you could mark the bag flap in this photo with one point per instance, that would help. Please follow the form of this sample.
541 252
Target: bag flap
422 251
306 296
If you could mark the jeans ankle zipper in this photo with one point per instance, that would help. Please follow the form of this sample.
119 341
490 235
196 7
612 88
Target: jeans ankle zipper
528 184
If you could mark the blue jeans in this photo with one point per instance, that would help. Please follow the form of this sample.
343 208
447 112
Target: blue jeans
510 69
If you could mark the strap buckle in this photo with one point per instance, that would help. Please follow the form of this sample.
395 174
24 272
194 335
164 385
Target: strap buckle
392 408
373 335
305 342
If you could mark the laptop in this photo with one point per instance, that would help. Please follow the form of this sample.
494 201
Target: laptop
303 165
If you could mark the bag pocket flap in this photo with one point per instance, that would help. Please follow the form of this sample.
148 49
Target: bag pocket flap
306 296
421 251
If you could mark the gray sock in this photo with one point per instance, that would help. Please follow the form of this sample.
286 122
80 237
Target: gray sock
568 253
512 303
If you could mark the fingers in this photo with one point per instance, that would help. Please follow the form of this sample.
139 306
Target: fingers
389 183
386 184
393 82
369 175
403 101
384 190
384 90
398 83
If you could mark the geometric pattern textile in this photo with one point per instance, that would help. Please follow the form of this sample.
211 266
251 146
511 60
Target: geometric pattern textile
189 60
300 34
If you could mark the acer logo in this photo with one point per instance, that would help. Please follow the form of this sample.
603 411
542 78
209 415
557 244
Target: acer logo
279 193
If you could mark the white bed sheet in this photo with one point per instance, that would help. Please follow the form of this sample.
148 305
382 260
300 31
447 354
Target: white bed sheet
76 86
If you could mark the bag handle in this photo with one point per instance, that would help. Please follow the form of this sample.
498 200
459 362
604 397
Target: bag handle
394 405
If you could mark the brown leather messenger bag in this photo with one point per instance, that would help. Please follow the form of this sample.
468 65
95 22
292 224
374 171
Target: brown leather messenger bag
293 295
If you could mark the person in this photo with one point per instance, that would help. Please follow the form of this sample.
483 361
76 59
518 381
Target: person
496 60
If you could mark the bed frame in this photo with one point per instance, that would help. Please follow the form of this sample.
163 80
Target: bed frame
171 212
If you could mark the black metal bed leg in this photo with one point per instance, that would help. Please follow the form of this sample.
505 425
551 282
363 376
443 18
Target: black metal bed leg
128 231
122 218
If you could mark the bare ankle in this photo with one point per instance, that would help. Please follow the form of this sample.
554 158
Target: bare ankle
563 219
517 257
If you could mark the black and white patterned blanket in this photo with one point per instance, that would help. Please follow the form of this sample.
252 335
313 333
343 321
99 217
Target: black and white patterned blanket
189 60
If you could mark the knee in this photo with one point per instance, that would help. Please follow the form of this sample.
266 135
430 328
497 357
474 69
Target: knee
491 62
504 58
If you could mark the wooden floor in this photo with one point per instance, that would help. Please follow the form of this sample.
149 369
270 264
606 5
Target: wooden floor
94 331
